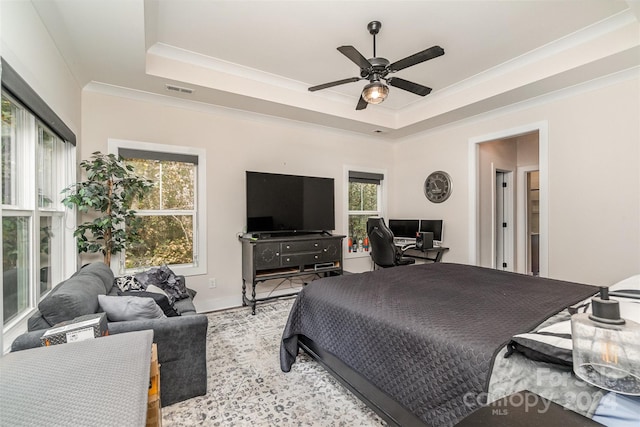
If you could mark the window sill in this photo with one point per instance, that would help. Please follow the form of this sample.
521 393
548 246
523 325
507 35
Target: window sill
351 255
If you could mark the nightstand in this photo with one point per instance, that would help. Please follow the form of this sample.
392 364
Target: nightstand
525 409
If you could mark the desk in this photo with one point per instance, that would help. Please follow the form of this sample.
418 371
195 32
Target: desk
423 254
99 382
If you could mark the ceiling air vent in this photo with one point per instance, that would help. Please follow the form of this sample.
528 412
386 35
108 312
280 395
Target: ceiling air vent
173 88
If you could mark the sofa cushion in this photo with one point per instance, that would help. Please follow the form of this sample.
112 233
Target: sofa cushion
100 270
123 308
72 298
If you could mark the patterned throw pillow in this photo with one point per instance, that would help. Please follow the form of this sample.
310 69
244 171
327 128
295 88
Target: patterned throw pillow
128 283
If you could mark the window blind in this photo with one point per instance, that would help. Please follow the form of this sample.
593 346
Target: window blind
22 92
365 177
132 153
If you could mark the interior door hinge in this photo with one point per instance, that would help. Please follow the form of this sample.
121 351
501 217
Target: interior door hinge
504 185
504 265
504 225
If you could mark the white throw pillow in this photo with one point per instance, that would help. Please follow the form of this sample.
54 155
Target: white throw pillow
632 282
157 290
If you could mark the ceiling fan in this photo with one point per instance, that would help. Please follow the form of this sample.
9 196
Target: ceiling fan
376 69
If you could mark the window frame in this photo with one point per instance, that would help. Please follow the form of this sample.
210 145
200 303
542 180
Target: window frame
200 217
25 205
382 204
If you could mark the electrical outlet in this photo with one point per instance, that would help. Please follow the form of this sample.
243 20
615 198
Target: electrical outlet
212 282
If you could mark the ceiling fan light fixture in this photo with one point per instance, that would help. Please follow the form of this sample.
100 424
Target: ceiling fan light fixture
375 92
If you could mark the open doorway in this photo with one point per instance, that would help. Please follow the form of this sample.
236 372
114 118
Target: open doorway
493 158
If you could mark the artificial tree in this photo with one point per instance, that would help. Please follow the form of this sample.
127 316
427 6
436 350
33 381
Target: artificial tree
109 190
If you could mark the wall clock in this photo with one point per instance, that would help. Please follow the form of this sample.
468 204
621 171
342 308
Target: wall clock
437 187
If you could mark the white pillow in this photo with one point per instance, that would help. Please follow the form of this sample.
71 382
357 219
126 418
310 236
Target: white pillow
157 290
632 282
121 308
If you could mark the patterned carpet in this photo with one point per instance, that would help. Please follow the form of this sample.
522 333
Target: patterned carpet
247 388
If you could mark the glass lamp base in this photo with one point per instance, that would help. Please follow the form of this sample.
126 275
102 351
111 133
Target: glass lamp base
609 378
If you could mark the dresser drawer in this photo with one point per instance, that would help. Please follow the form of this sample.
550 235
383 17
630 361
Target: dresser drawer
297 247
299 259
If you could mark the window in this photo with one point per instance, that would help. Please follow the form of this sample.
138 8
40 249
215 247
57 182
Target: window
172 218
35 166
365 201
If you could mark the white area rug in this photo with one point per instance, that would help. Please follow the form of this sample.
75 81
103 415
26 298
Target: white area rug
247 388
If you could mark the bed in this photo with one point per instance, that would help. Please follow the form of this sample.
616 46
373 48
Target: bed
418 343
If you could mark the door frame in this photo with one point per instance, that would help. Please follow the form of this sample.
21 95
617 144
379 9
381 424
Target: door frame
508 246
521 209
542 128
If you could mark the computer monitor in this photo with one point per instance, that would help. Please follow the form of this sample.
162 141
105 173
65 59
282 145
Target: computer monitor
406 228
434 226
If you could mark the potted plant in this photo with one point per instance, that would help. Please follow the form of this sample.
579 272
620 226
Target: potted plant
109 190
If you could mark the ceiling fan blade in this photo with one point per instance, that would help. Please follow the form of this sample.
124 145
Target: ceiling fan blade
353 54
336 83
425 55
362 104
409 86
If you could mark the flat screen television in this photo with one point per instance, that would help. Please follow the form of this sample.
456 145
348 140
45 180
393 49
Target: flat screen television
278 203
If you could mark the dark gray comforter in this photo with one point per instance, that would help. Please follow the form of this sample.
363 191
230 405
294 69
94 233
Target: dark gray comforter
425 334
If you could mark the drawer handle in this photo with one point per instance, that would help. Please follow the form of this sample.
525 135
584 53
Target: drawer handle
288 259
277 253
316 256
288 247
315 244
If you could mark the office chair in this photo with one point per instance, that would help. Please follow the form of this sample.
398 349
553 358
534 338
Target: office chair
384 252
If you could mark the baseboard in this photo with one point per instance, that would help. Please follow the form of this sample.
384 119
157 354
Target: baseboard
216 304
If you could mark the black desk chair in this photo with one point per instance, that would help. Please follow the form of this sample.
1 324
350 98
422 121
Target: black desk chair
384 252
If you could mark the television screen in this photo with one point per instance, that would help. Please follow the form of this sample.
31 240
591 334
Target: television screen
434 226
293 203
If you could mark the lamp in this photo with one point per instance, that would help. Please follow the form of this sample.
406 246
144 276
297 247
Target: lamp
375 92
606 348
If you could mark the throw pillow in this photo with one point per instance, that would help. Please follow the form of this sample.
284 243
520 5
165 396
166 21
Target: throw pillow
127 283
161 300
121 308
157 290
74 297
551 344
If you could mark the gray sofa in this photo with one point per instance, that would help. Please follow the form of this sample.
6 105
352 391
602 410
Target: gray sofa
181 340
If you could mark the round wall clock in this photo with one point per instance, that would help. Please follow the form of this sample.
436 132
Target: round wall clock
437 187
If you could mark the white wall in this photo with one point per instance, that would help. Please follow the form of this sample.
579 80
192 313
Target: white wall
594 177
28 48
234 142
30 51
